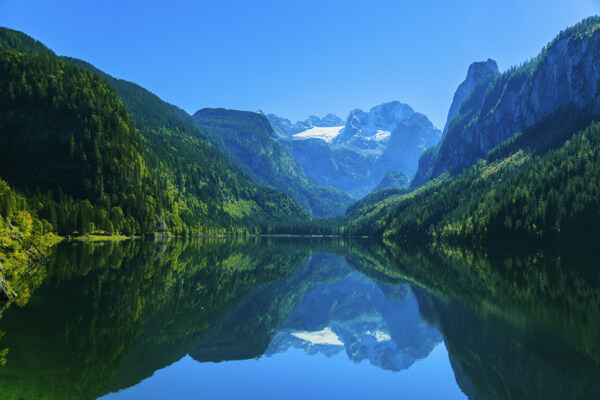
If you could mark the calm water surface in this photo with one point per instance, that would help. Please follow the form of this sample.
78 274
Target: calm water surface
298 318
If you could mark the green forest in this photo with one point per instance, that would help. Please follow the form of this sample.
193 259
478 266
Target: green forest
249 139
83 153
149 250
547 197
89 158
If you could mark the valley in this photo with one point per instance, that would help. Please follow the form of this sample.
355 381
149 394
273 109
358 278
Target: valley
370 246
100 155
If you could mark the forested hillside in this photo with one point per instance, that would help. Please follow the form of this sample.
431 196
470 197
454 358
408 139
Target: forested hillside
81 153
248 139
534 135
24 242
554 196
71 145
558 87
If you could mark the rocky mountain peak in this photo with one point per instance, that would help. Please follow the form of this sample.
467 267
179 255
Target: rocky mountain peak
354 159
478 71
383 115
329 120
382 118
284 128
559 88
482 69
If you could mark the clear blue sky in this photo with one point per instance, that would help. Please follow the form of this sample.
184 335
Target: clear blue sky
295 58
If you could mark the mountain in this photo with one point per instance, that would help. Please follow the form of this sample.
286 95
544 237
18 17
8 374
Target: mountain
523 196
554 93
248 139
95 153
285 128
367 130
535 185
393 179
478 71
354 156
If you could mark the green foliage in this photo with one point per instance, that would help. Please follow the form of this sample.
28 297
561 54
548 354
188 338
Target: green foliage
248 139
535 197
67 140
111 314
83 165
393 179
207 189
368 203
580 31
490 110
24 242
555 197
11 39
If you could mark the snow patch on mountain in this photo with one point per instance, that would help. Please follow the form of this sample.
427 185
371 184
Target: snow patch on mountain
381 136
319 132
355 157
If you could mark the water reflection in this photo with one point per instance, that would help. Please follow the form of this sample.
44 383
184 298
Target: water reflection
368 320
517 323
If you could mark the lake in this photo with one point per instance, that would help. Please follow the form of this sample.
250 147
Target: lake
297 318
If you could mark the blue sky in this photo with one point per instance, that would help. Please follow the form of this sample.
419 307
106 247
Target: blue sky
295 58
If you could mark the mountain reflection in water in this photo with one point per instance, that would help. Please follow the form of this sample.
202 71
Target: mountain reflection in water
517 323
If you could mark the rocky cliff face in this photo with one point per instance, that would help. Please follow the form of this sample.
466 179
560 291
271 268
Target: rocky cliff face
355 155
562 83
327 121
408 141
478 71
366 130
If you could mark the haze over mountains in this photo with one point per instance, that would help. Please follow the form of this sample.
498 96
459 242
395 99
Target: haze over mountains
323 163
353 157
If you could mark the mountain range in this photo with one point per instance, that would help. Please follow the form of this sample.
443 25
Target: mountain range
94 152
518 160
248 139
82 152
355 156
324 164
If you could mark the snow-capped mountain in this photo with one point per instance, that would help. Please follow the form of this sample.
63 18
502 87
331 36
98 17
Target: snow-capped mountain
284 128
328 134
373 128
354 156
